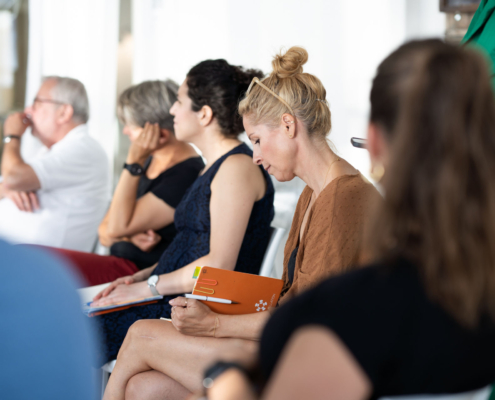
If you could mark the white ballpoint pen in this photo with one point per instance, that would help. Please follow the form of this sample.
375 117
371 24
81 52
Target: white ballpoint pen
208 298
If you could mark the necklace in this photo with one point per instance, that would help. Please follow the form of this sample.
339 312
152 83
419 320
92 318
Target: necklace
326 176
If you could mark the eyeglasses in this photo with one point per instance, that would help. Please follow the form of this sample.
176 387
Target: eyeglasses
358 142
256 80
38 100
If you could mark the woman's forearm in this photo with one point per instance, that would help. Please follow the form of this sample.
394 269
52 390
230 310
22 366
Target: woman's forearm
246 326
144 274
103 236
181 280
123 205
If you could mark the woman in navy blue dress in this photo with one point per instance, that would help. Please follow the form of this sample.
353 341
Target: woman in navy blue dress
224 218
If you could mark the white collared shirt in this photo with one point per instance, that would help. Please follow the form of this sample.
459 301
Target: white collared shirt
74 195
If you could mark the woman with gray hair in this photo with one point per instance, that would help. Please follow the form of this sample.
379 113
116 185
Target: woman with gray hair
139 224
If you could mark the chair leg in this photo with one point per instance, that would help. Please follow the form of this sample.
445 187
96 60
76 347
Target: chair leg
104 380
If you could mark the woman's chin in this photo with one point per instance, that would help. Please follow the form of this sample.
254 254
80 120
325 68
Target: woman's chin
283 177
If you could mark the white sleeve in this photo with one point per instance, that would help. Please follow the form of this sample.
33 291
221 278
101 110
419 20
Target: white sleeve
63 167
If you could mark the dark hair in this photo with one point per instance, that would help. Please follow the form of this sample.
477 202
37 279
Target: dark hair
437 109
219 85
149 101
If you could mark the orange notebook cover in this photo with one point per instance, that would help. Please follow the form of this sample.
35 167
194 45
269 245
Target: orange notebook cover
252 293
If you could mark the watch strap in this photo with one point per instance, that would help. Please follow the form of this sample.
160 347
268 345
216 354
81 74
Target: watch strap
8 138
153 290
218 369
134 169
152 285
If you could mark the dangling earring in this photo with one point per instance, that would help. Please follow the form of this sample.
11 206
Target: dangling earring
377 172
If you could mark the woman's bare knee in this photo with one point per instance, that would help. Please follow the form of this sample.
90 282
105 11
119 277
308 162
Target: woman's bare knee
153 385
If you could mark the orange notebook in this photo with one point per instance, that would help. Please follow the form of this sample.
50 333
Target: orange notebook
252 293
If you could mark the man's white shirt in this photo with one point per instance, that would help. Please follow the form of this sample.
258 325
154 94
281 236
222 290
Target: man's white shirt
74 196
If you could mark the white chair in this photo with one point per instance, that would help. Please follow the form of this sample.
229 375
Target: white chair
87 294
271 251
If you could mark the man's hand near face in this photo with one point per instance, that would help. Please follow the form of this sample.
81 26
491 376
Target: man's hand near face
16 124
17 175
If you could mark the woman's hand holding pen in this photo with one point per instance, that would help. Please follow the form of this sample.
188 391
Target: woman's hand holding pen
193 318
146 143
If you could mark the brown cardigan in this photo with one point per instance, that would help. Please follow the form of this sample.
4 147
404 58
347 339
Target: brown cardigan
333 234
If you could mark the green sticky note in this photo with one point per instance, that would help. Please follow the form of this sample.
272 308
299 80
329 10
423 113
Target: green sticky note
197 270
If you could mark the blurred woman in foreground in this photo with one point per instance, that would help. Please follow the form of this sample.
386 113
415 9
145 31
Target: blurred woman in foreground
422 319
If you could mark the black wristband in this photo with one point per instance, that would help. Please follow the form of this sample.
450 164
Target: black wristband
218 369
134 169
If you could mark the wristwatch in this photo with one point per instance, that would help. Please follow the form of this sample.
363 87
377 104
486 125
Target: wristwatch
134 169
152 281
8 138
218 369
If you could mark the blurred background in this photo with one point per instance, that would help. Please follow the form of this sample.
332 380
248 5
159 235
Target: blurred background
110 44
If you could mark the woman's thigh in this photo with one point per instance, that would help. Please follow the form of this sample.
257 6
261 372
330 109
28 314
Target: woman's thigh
153 385
180 357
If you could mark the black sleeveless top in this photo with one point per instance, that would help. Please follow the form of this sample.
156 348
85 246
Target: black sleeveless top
192 221
405 343
170 186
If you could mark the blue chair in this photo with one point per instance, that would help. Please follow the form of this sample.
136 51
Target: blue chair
47 346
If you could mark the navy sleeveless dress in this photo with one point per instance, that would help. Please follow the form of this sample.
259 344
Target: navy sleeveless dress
192 220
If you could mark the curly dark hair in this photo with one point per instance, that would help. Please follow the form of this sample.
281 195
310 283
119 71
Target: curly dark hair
219 85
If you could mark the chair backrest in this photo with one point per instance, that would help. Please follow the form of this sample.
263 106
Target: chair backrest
271 251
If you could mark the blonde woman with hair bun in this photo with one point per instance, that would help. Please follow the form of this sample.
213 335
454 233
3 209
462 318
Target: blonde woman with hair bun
287 118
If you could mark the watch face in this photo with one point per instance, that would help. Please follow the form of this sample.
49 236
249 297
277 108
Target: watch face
153 280
136 169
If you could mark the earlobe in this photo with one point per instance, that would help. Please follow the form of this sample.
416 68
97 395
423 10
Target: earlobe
207 116
376 144
67 113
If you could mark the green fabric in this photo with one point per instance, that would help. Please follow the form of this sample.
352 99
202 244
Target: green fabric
481 31
492 394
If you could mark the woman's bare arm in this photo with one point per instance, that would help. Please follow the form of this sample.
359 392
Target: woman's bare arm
237 185
127 215
314 365
235 188
103 236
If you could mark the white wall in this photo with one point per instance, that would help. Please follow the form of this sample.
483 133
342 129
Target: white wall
424 19
345 39
78 39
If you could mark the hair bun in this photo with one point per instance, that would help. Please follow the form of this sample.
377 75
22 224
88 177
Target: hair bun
290 63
